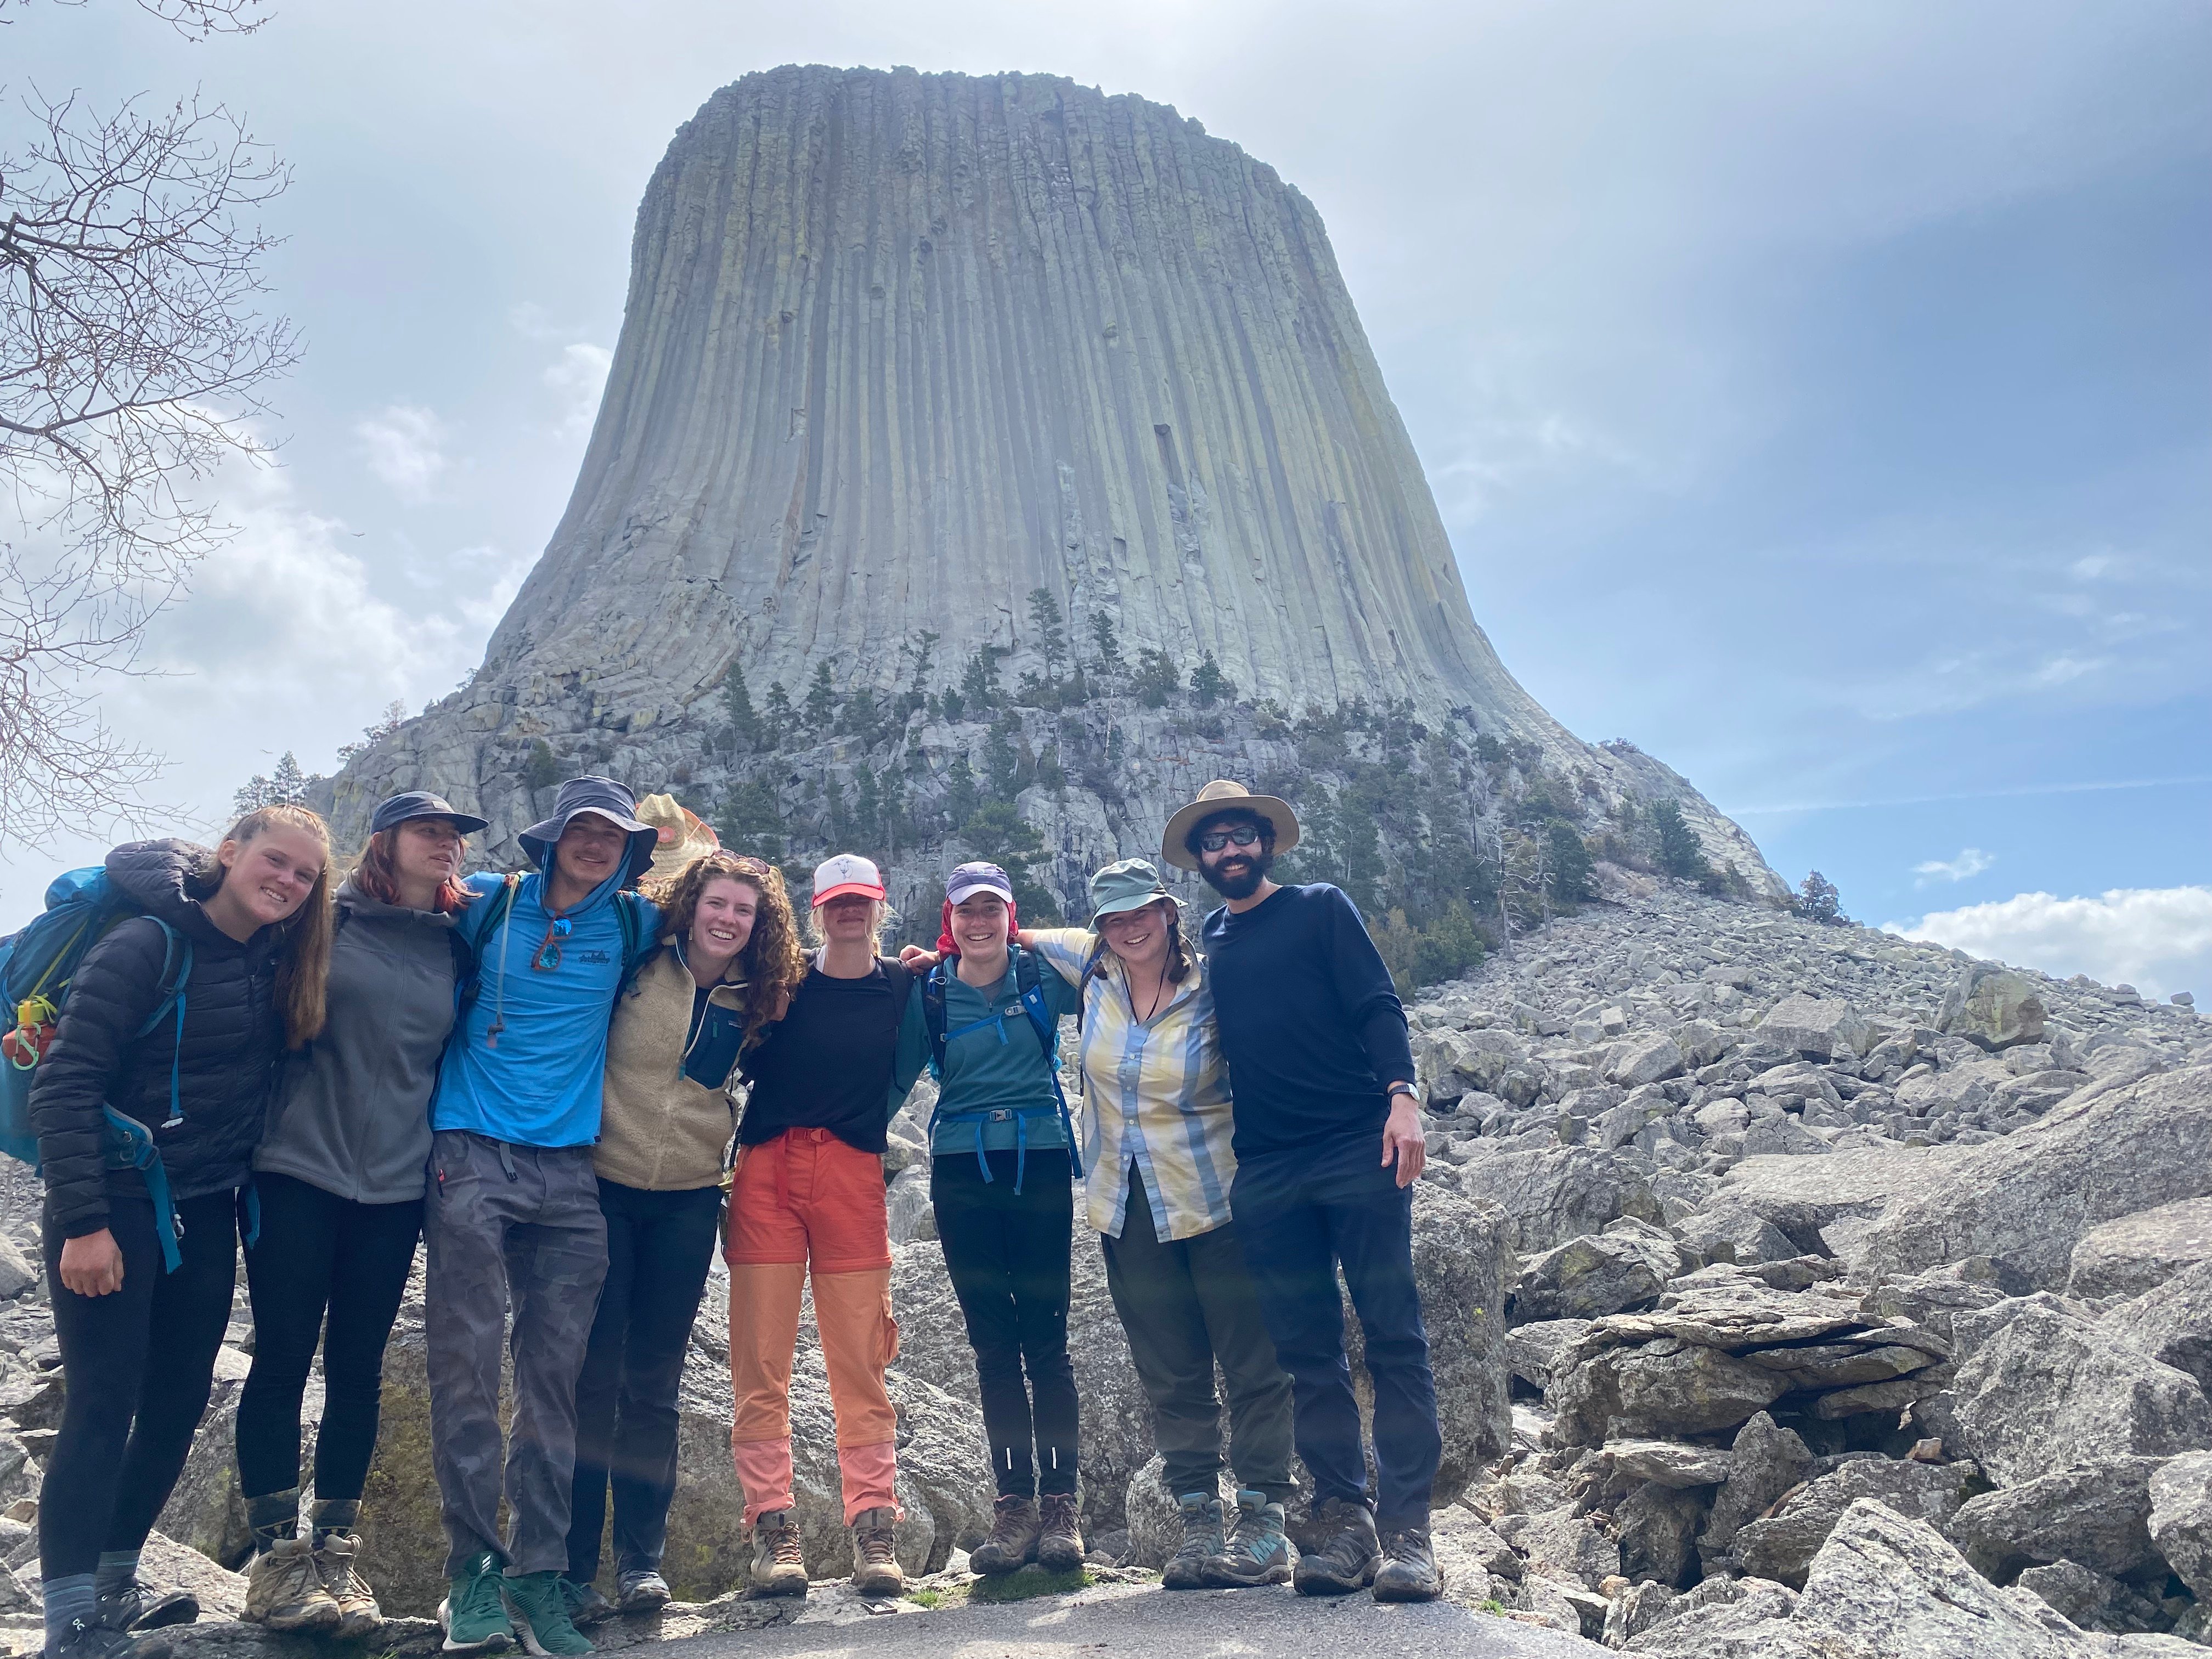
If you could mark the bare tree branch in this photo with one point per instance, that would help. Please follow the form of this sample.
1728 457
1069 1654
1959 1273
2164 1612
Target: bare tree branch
195 20
133 354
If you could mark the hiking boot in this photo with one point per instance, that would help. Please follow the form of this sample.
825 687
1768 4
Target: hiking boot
1256 1552
1408 1572
778 1567
584 1604
90 1639
1349 1553
473 1615
1059 1533
284 1591
1201 1541
131 1606
540 1612
642 1589
1012 1544
875 1566
358 1614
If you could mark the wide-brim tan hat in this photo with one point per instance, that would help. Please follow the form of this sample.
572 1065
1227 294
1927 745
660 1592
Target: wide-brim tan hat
1223 795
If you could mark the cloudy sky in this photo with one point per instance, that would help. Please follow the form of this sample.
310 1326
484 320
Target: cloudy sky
1816 395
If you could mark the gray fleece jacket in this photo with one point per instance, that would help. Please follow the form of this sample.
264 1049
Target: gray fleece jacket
353 1115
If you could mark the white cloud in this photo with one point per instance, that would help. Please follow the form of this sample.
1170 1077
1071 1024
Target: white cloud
1970 861
405 444
2158 939
580 377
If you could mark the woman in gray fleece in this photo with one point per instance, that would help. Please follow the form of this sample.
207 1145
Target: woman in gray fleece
339 1175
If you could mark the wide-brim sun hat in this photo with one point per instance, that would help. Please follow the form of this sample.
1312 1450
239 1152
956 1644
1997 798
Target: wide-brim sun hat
606 799
1225 795
396 809
1127 884
846 872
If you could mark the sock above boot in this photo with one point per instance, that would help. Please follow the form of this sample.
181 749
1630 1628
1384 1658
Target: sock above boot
69 1598
117 1569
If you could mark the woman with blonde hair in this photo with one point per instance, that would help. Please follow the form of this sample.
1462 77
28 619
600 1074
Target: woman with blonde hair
729 962
142 1287
340 1175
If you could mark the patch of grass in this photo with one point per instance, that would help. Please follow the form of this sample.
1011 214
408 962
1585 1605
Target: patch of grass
1028 1582
925 1598
1493 1605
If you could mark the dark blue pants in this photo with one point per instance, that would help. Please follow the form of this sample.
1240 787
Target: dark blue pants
660 1245
1300 1214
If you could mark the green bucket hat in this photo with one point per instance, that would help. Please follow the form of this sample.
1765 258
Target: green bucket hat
1128 885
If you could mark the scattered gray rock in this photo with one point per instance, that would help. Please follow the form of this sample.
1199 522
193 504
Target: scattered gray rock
2174 1323
1670 1462
1714 1618
1588 1278
1531 1349
2071 1590
2140 1252
2181 1519
17 1275
1992 1008
2097 1515
1764 1462
1815 1027
1782 1547
1733 1233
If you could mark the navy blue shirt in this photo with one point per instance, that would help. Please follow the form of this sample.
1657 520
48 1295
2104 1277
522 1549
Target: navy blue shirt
1310 1024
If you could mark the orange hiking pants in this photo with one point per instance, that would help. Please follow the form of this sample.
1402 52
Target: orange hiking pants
807 1198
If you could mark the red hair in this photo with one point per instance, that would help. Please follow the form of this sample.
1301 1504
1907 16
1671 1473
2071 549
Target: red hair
378 876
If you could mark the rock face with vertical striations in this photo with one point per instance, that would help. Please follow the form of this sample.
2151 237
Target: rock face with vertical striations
902 350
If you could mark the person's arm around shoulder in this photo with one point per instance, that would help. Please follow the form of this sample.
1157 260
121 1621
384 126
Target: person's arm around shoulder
1378 1018
1065 951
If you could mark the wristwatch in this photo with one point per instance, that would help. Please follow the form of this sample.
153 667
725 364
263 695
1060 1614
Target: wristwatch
1404 1088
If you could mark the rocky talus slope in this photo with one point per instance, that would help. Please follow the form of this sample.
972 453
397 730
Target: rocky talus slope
1796 1292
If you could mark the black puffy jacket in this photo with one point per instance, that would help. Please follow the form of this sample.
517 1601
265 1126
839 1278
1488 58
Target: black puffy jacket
225 1066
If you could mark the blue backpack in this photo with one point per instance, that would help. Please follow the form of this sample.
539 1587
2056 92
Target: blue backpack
1029 987
38 968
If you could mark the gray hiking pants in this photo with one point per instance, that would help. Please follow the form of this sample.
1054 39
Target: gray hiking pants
509 1224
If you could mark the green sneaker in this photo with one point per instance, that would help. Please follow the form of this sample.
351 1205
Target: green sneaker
472 1614
541 1618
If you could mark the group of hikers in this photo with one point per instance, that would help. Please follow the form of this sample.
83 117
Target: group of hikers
539 1076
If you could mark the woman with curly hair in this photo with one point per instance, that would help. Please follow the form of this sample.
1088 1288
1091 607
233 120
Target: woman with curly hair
728 962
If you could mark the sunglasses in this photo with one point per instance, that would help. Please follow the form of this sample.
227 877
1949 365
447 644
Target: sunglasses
1242 835
547 957
746 865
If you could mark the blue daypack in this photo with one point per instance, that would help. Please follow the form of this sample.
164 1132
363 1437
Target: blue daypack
38 966
1029 994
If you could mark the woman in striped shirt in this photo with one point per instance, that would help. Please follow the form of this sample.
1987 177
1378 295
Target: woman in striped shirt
1156 1124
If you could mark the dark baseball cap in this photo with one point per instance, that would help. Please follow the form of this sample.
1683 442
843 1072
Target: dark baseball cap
420 804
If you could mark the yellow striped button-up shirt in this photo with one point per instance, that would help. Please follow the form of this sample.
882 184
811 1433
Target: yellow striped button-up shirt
1155 1095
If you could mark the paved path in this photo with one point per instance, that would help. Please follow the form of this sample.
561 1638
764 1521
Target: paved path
1184 1625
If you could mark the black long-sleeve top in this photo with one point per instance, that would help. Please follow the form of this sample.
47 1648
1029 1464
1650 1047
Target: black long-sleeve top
1310 1025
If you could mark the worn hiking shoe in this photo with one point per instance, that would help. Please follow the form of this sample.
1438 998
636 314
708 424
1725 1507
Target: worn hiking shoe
584 1604
777 1566
358 1614
1059 1533
540 1612
1408 1572
284 1591
1012 1544
473 1615
131 1606
875 1562
642 1589
90 1638
1256 1552
1349 1552
1201 1541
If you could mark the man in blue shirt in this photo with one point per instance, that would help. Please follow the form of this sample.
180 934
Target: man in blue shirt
513 1212
1322 1075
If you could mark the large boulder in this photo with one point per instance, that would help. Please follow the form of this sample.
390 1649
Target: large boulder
1992 1008
1652 1058
1659 1389
1822 1027
1590 1278
1552 1194
2045 1392
2097 1514
1828 1207
1781 1547
2025 1199
2174 1323
2139 1253
2181 1519
1764 1462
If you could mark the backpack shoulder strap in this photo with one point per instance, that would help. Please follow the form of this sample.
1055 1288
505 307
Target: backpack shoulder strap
637 947
932 1016
1028 983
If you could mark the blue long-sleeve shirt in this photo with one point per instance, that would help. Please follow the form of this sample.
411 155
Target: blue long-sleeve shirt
539 1085
1310 1024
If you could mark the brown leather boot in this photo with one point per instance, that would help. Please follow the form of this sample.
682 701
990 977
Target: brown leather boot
1060 1536
875 1560
1012 1544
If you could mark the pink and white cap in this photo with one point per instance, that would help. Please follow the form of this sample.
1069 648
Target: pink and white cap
846 872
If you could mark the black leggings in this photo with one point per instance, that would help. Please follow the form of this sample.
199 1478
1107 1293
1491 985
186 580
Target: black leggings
1008 1260
318 1254
136 1364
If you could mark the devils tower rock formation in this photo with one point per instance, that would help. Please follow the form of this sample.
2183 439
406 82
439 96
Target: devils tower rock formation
904 353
